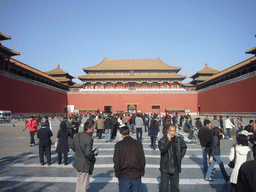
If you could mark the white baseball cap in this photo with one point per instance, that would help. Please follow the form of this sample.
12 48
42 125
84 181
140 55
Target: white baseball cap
246 133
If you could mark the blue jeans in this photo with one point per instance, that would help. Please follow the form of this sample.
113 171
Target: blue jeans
132 128
206 151
228 133
218 159
107 134
129 185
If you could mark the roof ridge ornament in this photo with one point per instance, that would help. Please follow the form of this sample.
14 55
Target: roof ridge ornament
105 58
59 65
206 65
158 58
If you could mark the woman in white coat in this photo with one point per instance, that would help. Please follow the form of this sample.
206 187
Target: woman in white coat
242 150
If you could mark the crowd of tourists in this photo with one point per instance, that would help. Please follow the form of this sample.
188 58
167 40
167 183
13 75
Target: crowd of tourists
129 159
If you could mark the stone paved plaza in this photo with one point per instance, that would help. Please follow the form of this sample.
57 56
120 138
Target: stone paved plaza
20 169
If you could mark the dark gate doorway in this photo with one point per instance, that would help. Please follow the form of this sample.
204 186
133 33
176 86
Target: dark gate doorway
108 109
132 108
155 109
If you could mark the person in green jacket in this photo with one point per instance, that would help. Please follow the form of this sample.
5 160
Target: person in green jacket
188 127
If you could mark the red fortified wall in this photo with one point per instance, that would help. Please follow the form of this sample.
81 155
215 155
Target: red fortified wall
21 97
236 97
144 102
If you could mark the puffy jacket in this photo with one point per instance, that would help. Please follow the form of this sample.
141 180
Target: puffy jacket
109 124
187 126
31 125
165 147
241 157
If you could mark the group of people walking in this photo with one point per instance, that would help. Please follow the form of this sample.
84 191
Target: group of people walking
129 158
241 152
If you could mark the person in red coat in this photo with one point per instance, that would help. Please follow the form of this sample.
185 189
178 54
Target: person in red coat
32 126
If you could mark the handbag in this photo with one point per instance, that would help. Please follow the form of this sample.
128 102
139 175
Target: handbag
91 162
233 162
56 143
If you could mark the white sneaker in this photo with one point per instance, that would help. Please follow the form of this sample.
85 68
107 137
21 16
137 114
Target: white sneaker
223 137
230 138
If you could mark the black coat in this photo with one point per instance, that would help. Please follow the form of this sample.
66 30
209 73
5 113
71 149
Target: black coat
205 135
153 129
246 181
132 120
129 159
165 147
63 141
109 124
44 134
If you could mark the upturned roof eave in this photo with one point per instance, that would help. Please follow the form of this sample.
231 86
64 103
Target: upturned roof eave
8 51
4 37
251 51
230 69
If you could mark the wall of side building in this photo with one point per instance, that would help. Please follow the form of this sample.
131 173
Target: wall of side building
144 102
21 95
235 96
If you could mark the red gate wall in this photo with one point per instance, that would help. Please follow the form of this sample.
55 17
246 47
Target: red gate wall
235 97
144 102
22 97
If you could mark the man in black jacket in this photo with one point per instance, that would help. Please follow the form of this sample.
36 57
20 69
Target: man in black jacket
172 150
109 126
129 162
132 123
84 155
44 134
205 135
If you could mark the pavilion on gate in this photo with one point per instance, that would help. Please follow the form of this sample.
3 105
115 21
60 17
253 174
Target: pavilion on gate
132 74
201 76
61 76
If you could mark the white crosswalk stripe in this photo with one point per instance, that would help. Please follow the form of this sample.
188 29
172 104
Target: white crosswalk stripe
190 177
153 166
101 180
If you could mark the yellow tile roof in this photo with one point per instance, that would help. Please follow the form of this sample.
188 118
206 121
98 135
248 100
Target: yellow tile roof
131 64
88 109
230 69
201 78
135 76
24 66
58 71
4 37
174 109
205 70
8 51
251 51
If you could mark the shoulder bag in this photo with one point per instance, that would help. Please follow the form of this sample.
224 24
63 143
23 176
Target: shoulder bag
233 162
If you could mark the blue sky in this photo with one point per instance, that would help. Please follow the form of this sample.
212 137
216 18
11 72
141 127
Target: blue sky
79 34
